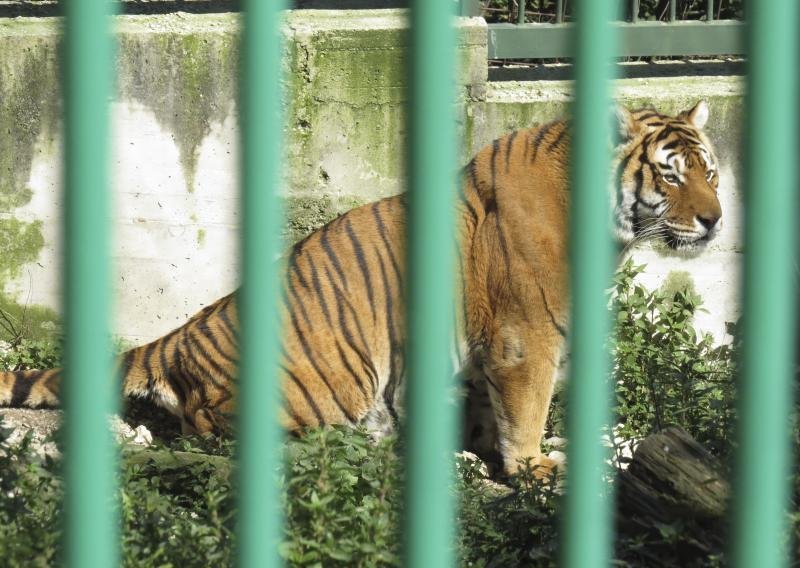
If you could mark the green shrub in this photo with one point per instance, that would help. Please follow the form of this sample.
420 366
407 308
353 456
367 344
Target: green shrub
26 354
343 499
666 373
343 493
30 504
515 526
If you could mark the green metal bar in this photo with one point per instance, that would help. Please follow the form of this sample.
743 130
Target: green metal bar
559 11
534 41
431 420
521 11
771 191
634 11
260 518
710 10
91 524
587 516
671 10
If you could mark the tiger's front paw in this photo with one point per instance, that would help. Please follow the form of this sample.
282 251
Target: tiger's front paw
545 468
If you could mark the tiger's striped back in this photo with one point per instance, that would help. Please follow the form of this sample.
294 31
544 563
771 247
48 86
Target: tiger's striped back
342 357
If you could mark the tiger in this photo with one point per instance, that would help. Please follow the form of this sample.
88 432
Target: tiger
343 308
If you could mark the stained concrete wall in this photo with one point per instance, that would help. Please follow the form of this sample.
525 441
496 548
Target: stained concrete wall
174 147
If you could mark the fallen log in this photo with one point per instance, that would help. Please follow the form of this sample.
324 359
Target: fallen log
674 496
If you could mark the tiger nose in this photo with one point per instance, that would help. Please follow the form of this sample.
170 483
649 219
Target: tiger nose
708 221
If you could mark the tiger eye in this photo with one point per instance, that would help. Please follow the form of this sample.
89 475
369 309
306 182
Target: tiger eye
671 179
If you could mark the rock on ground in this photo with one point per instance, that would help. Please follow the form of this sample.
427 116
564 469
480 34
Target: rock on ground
42 425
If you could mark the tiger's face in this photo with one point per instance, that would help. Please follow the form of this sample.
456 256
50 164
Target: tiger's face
668 178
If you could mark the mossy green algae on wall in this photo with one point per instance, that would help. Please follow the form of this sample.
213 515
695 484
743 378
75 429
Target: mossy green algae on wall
29 115
347 74
184 72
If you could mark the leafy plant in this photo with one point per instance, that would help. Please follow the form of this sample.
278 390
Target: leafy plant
343 499
30 503
665 372
343 493
27 354
506 526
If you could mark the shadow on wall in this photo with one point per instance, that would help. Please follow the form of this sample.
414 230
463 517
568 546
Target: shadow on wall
16 8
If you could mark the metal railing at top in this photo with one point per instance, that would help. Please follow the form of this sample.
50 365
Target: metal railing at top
634 38
764 456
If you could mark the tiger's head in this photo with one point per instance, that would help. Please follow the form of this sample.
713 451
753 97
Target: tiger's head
667 178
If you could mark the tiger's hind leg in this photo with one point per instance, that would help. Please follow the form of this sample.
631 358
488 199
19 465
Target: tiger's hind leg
208 411
207 420
521 368
480 435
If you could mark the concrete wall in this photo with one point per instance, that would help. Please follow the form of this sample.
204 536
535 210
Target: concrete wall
175 152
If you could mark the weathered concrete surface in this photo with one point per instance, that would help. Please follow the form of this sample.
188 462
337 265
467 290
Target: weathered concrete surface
175 151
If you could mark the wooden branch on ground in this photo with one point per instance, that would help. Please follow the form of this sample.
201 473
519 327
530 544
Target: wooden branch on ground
674 490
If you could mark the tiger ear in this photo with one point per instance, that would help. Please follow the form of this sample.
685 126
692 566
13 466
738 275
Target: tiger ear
698 116
627 125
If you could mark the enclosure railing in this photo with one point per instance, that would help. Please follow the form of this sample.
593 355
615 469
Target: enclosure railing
635 37
90 525
91 535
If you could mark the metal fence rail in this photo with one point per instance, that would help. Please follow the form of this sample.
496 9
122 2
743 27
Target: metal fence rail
90 523
763 460
429 526
767 385
635 38
259 394
587 514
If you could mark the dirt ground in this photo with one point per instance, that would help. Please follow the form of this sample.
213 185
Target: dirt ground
138 424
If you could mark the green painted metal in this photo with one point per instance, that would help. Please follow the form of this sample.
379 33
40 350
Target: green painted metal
559 11
521 12
537 41
766 389
586 533
634 11
431 419
672 14
91 525
710 10
260 518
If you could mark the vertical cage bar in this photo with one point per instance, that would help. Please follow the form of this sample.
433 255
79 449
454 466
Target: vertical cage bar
586 533
521 11
634 11
431 422
91 525
766 388
672 10
259 394
559 11
710 10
